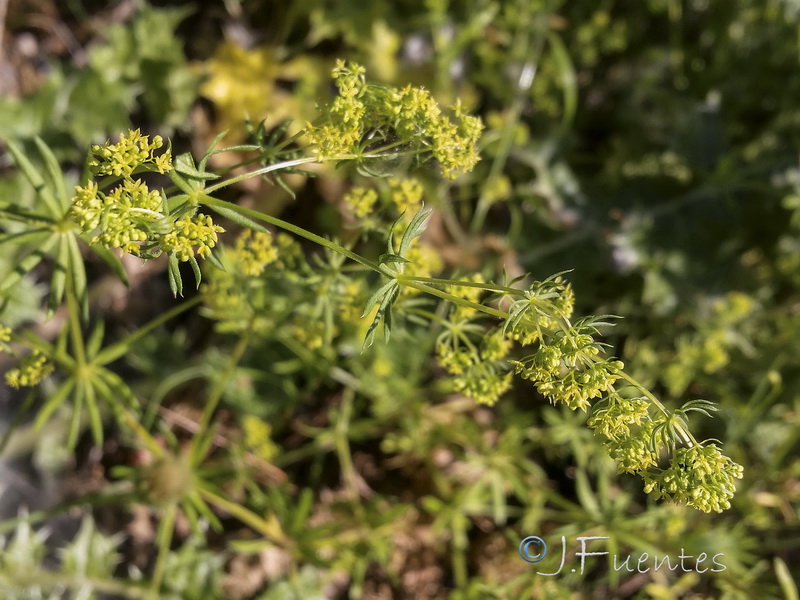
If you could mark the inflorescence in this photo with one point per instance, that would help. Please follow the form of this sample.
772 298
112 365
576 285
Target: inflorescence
131 216
367 119
567 366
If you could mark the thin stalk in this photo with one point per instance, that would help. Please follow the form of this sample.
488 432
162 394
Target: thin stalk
119 348
268 528
262 171
485 286
285 225
524 83
304 161
342 445
405 280
216 392
76 335
687 436
163 540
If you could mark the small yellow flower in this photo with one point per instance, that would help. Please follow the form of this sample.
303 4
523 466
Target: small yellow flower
31 371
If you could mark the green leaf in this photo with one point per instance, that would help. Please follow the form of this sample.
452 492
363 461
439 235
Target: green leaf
373 299
211 151
569 80
36 180
75 420
23 237
184 164
95 341
384 312
196 270
56 400
414 229
21 215
25 265
54 173
95 420
58 282
216 262
174 271
391 258
78 271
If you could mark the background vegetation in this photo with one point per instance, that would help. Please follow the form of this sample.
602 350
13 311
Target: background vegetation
648 148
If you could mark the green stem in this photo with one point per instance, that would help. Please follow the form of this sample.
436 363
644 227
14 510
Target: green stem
163 541
686 435
285 225
216 392
409 282
114 351
521 51
305 161
268 528
483 285
76 335
262 171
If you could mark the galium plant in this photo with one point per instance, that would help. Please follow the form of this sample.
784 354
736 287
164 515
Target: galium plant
487 332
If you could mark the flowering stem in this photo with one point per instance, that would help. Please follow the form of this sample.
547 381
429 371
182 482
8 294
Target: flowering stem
476 284
687 436
262 171
410 282
216 392
285 225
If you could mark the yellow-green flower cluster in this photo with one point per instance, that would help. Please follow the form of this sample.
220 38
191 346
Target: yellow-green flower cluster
131 216
615 420
483 383
361 200
635 451
466 292
198 231
700 476
240 296
254 250
311 333
406 194
133 150
565 368
5 334
31 371
478 373
343 129
368 118
124 215
257 437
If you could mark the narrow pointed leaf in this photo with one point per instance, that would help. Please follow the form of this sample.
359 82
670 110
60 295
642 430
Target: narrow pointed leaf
58 282
56 400
198 276
32 175
174 272
25 265
53 172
